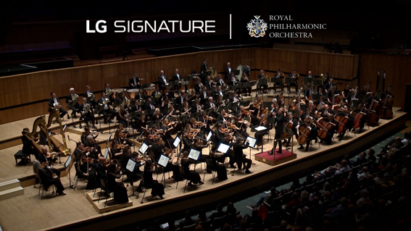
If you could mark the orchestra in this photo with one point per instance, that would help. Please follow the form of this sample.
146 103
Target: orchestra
211 109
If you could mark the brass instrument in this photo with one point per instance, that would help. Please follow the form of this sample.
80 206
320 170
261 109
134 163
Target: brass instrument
157 95
86 109
108 92
73 102
297 75
90 97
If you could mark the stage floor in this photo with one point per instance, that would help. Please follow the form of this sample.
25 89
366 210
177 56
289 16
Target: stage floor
28 212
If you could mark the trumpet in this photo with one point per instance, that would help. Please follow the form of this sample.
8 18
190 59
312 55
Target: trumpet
157 95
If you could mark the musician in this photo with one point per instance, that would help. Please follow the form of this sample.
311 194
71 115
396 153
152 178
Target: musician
259 134
106 108
109 92
228 70
233 80
329 85
217 163
310 75
198 86
279 121
162 81
118 188
167 130
332 94
54 103
210 104
157 189
209 83
179 101
84 135
50 176
228 139
293 120
343 112
309 93
360 110
28 147
371 98
294 83
70 101
203 96
178 80
244 79
191 175
220 102
313 134
279 81
262 76
134 107
86 111
149 105
241 124
196 107
81 168
203 70
239 156
220 81
157 151
122 116
95 149
156 96
47 156
89 95
219 135
134 82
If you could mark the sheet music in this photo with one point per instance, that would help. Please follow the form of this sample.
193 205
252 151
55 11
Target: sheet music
163 161
260 128
194 154
131 164
251 141
209 136
64 128
223 148
66 164
176 141
143 148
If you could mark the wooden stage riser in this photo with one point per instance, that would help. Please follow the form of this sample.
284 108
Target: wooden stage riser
243 187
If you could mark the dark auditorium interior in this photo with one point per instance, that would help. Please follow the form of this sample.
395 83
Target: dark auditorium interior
205 115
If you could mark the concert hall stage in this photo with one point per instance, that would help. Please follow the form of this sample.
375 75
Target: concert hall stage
75 212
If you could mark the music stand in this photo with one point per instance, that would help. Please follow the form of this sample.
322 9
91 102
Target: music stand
176 143
223 148
143 148
251 143
131 167
163 162
66 165
261 128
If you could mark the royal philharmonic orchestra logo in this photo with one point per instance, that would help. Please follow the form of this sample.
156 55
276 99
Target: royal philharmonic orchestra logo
257 27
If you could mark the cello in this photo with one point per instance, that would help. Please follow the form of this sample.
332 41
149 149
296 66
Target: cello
385 111
357 118
325 127
342 122
373 116
305 133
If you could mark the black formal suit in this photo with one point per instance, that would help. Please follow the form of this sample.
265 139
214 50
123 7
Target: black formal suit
176 78
61 110
220 82
208 105
46 176
203 97
162 81
148 106
227 72
179 101
295 83
93 102
208 85
240 157
194 108
203 71
135 82
279 119
107 111
197 88
264 86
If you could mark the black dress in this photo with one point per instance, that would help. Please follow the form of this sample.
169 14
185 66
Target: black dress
157 189
120 192
193 176
220 168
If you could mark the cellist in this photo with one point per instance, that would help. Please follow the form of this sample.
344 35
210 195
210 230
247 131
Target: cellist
313 134
293 122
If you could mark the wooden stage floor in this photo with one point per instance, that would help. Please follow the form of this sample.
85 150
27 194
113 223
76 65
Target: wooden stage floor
28 212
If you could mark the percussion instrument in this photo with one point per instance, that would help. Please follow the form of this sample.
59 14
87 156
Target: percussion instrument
132 93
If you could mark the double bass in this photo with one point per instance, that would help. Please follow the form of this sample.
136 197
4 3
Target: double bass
373 116
385 111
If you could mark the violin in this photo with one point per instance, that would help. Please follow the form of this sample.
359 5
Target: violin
223 130
119 146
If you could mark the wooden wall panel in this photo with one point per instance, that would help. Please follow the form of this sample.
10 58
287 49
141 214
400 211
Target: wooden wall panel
398 71
26 88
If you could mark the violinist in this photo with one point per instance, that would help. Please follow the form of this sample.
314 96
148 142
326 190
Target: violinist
115 149
293 76
239 156
95 149
279 120
209 83
149 105
273 108
244 79
157 151
255 110
207 120
210 104
141 123
329 85
262 76
118 188
186 140
217 163
241 124
165 106
84 136
191 98
157 189
200 144
167 129
157 115
228 139
279 81
191 175
121 135
81 168
219 133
